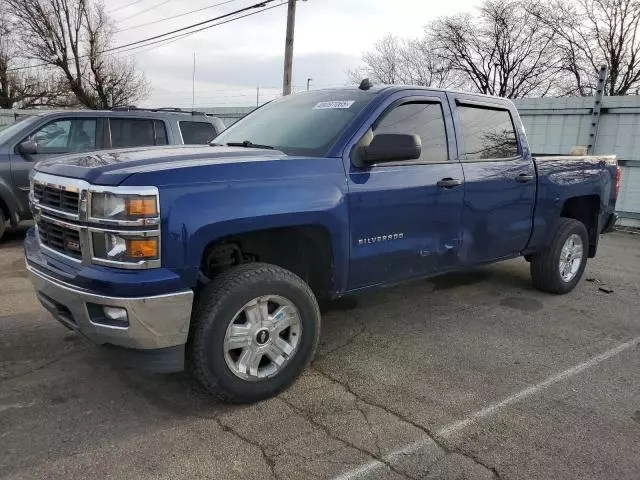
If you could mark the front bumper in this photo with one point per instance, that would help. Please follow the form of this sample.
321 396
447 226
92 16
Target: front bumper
154 322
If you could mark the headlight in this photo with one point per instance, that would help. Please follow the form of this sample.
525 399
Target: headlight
116 247
111 206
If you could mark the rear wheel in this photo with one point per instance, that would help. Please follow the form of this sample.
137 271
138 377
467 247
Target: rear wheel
254 329
559 267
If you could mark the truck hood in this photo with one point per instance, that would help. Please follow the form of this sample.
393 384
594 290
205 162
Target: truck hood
112 167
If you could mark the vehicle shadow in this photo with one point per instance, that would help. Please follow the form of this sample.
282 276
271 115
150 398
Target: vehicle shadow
180 395
14 236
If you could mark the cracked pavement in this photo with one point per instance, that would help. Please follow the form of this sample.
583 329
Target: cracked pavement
393 369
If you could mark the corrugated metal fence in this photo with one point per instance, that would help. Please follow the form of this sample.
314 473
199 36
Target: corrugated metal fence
556 125
553 125
7 117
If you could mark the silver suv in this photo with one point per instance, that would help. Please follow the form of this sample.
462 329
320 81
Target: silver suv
48 134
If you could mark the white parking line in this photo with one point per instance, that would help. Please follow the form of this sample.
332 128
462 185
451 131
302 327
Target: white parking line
16 405
369 467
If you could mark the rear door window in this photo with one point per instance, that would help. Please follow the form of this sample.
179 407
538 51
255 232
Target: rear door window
136 132
195 133
486 133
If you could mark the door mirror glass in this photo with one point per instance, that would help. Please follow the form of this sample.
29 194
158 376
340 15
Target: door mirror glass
390 147
28 147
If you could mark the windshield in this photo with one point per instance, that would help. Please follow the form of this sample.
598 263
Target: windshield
9 131
301 124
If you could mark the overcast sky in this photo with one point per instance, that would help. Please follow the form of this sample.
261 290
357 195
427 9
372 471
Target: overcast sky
233 59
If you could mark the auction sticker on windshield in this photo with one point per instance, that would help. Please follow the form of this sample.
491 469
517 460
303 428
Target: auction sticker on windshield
334 104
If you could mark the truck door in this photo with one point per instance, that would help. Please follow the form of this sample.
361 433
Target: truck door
57 137
405 216
500 179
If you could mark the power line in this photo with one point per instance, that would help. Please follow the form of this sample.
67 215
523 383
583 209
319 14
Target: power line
125 6
144 11
232 90
250 7
171 39
177 16
167 41
214 97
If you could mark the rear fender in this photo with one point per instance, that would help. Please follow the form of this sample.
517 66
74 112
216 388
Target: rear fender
555 189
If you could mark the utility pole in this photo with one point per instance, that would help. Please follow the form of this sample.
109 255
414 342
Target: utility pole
308 83
193 84
288 48
257 97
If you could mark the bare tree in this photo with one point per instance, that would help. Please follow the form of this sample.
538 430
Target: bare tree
114 80
594 32
404 61
71 37
6 81
505 51
19 85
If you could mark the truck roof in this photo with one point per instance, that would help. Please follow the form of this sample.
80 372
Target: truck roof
390 89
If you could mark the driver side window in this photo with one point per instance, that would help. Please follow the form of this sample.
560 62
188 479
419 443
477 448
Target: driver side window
424 119
66 136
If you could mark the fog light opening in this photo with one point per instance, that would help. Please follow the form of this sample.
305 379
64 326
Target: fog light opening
116 314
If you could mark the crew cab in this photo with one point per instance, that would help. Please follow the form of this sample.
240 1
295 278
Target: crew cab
214 258
45 135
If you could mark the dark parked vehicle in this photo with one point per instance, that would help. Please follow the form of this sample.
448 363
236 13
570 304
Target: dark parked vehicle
49 134
212 258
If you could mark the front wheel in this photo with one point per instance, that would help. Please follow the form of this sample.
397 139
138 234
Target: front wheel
559 267
254 329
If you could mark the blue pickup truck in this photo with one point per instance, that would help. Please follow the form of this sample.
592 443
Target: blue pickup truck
214 258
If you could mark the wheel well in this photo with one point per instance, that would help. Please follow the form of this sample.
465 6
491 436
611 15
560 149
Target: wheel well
586 210
303 250
5 210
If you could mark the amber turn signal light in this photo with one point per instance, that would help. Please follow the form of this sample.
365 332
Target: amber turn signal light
142 248
142 206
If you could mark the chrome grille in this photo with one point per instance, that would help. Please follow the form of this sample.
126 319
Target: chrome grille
61 239
62 212
56 197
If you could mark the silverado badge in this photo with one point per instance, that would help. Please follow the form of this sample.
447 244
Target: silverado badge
381 238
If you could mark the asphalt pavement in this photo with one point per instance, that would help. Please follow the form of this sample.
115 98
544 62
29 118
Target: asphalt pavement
467 376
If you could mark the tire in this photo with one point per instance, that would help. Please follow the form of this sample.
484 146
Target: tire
545 265
216 307
3 224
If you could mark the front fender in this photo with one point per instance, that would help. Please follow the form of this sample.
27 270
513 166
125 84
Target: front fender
197 215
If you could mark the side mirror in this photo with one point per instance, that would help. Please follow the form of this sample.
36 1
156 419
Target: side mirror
390 147
28 147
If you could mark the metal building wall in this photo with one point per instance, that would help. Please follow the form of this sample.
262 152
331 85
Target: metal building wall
556 125
228 115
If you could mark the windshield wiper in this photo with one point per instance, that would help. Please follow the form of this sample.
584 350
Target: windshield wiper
248 144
